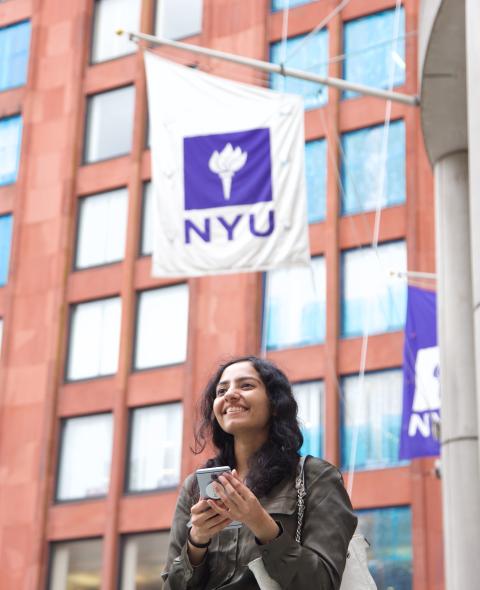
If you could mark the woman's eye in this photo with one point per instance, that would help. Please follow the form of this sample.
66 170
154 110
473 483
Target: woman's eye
247 385
220 392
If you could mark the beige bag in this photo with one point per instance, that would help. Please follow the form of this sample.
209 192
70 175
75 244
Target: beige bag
356 575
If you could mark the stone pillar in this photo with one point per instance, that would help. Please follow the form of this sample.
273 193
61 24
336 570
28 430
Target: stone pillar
472 11
460 461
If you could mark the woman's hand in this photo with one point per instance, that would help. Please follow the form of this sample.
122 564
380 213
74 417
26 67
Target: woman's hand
206 522
240 503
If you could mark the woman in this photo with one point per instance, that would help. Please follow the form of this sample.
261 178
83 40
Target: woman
249 412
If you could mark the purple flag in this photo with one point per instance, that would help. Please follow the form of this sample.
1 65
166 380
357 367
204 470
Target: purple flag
421 385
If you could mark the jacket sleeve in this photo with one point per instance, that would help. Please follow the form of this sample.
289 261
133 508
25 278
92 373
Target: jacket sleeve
179 573
328 526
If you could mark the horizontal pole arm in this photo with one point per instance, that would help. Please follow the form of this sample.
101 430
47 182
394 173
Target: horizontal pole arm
266 66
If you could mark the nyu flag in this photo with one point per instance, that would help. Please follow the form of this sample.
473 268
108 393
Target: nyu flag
228 174
421 387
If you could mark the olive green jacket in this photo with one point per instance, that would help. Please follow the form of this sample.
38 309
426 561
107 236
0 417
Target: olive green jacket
316 564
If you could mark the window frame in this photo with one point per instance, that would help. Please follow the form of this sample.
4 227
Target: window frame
71 305
50 553
78 207
88 99
323 408
121 545
156 20
61 438
365 469
127 471
138 293
141 233
27 69
342 336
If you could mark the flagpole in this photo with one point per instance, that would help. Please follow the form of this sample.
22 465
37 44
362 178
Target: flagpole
281 69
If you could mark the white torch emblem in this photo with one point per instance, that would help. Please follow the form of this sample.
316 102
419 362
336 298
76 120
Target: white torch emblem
225 164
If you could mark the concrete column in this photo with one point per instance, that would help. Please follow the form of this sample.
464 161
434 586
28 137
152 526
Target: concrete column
472 11
460 461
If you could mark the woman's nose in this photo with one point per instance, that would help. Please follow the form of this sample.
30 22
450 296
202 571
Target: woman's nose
232 392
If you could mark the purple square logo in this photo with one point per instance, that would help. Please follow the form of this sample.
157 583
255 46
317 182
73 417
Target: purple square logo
227 169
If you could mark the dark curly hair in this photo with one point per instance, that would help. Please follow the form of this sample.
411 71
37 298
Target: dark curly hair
278 457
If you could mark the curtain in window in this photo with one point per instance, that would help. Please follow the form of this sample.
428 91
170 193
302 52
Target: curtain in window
389 531
156 447
94 339
109 125
177 19
162 327
364 185
373 49
10 142
310 400
14 50
295 306
110 15
311 57
376 412
85 457
316 171
6 225
372 300
102 228
143 560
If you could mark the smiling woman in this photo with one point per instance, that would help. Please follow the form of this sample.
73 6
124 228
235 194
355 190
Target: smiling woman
250 415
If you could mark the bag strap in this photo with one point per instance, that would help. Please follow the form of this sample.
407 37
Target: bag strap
301 493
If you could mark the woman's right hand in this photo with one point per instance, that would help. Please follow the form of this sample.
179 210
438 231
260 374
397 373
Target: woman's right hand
206 522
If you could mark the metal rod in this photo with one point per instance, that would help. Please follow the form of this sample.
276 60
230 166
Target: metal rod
414 274
266 66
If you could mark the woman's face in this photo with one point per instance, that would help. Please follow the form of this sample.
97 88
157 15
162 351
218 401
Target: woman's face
241 404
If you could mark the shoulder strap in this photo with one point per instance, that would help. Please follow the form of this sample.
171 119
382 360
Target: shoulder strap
301 493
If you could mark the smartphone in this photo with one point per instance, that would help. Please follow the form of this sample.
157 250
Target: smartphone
206 478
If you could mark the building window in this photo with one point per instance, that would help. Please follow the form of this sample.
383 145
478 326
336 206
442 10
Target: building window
371 419
295 306
162 327
85 457
146 246
176 19
14 48
375 50
316 171
76 565
304 54
389 532
102 224
109 124
282 4
373 302
10 142
144 558
310 399
108 16
6 225
369 177
155 447
94 339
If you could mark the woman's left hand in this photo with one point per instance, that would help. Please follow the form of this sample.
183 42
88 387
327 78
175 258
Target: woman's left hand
238 502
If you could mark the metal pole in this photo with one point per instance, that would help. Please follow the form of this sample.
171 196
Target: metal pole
266 66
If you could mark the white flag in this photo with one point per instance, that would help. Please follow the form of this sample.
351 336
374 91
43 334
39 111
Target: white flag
228 174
